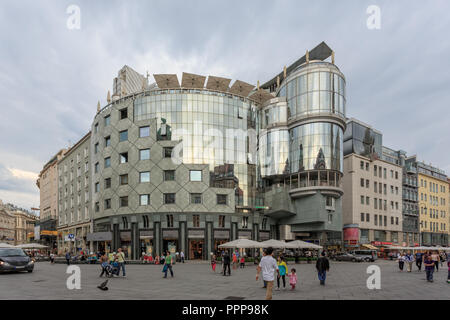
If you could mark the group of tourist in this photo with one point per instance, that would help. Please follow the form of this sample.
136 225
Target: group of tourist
159 259
112 263
268 266
431 261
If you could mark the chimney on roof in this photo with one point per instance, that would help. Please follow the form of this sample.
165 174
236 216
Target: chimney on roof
98 106
108 97
278 81
307 56
284 72
332 57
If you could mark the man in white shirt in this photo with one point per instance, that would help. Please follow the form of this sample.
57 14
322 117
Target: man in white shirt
268 265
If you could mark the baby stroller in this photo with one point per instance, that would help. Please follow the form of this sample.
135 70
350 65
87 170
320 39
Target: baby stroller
115 268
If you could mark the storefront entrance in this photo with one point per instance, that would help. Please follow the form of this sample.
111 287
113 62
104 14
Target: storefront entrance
170 245
196 249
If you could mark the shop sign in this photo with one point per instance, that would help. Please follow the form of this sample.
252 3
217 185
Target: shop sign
222 234
244 234
125 236
380 243
146 234
99 236
170 234
67 238
197 234
264 235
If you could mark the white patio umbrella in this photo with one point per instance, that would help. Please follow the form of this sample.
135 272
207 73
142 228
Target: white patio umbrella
6 245
31 246
273 243
299 244
240 244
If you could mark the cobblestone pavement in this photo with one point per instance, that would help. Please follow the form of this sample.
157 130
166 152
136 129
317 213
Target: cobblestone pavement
195 281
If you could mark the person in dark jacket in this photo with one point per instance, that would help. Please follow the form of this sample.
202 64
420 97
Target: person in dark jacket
226 264
68 257
322 266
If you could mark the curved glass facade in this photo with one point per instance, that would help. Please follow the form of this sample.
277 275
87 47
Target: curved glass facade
274 152
273 115
213 127
315 91
316 146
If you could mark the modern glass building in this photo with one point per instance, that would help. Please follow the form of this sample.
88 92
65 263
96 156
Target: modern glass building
301 149
186 167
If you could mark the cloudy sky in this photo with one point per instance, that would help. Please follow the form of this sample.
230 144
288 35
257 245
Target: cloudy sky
51 77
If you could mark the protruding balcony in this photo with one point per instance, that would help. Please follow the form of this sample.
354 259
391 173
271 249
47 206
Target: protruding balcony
309 182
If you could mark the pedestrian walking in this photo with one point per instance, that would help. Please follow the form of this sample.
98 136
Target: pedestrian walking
104 264
213 262
293 278
442 258
268 266
68 257
226 264
409 261
308 256
168 265
283 270
121 260
52 258
234 260
448 276
182 256
322 266
419 258
429 267
435 257
401 261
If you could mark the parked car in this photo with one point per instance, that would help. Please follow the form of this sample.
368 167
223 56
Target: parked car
367 255
346 256
15 259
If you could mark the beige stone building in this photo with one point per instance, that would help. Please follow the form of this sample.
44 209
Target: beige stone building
24 226
74 221
7 226
372 199
48 187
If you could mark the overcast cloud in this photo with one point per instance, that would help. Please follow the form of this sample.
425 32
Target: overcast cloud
51 78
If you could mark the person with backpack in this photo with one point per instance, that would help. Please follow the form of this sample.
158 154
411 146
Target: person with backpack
322 266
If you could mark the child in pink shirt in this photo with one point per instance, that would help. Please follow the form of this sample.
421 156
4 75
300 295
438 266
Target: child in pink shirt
292 279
